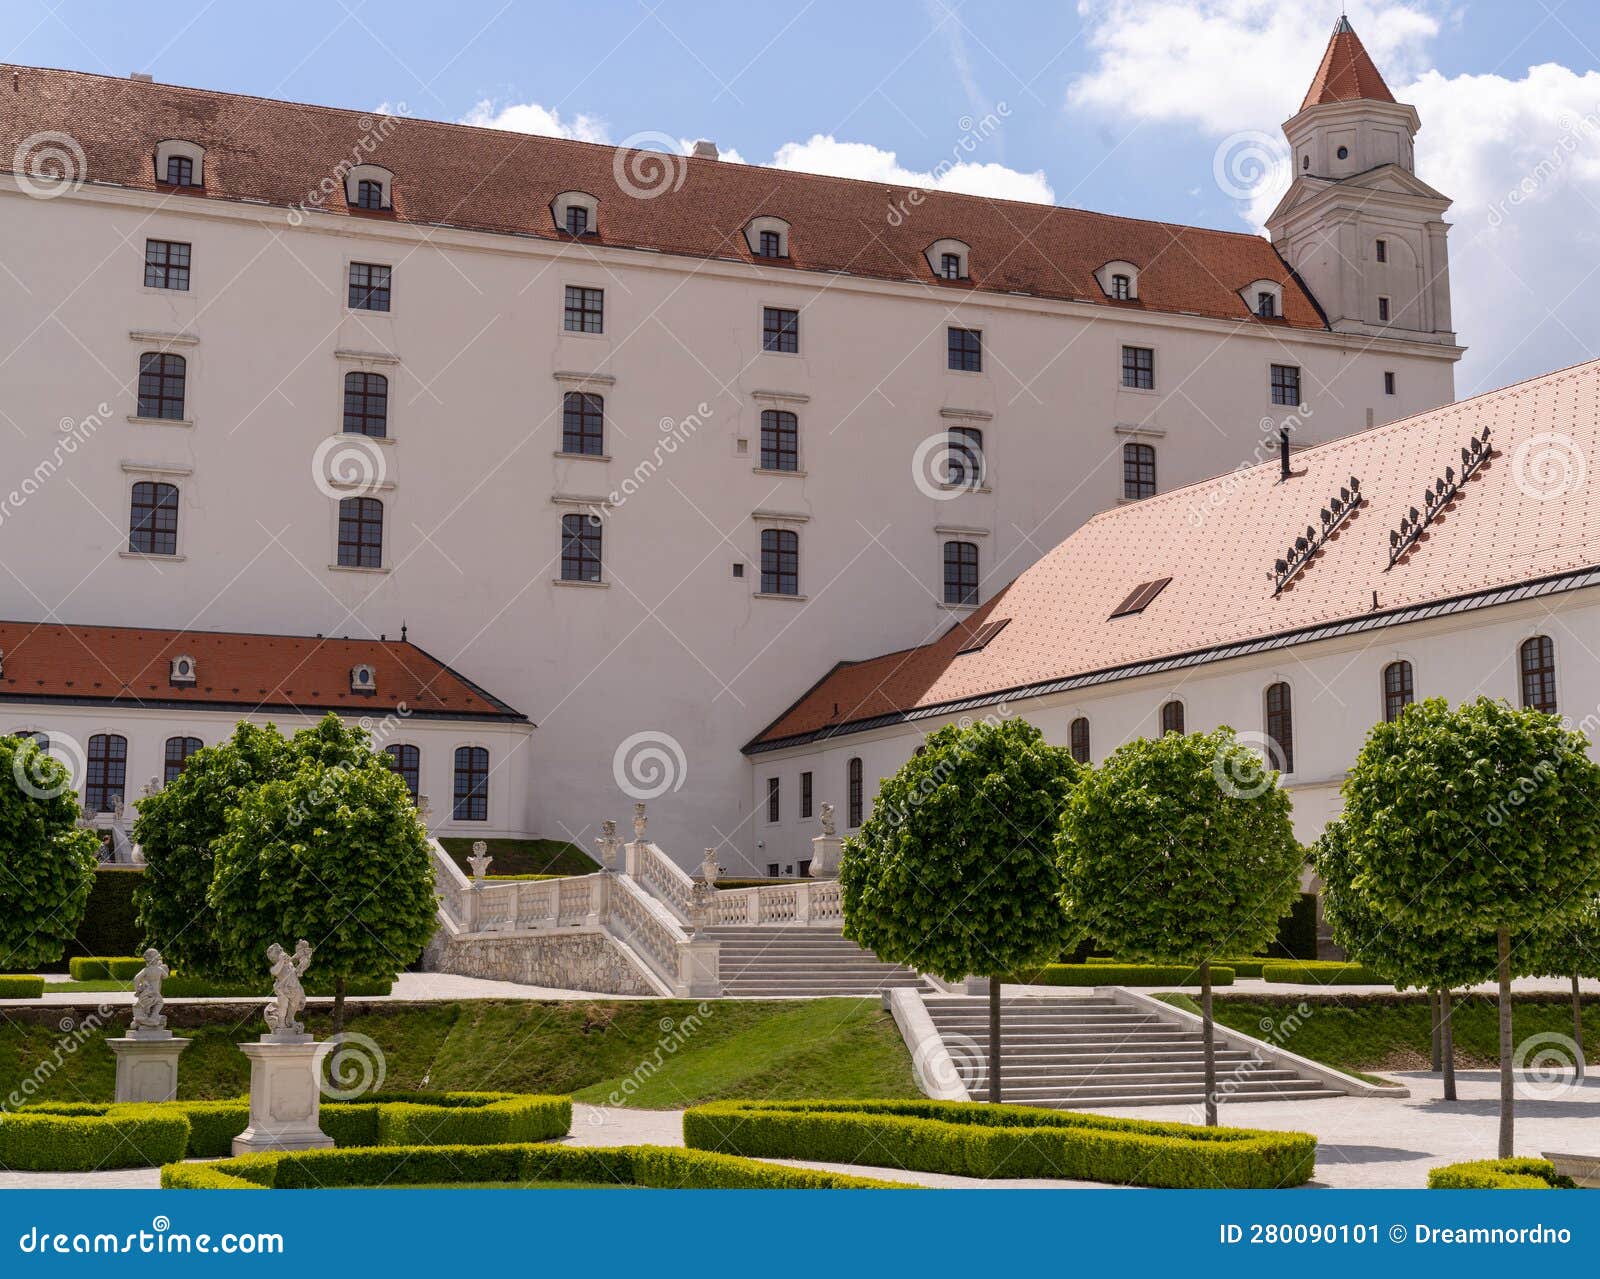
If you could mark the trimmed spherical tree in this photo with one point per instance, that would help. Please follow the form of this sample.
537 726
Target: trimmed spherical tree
1570 950
176 829
1481 819
333 853
954 873
1179 849
46 862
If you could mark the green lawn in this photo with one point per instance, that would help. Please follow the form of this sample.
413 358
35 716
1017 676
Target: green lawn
641 1053
525 856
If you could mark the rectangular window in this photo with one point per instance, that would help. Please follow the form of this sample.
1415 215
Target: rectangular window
1138 471
855 793
369 286
585 310
583 423
1388 382
366 404
369 195
180 171
780 330
360 532
106 772
780 440
773 805
162 379
960 572
966 350
580 548
471 785
780 562
805 794
1382 247
166 265
1286 384
771 245
1139 367
964 460
950 266
1266 305
577 219
153 519
1383 309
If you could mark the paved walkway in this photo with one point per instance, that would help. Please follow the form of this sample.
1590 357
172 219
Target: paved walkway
408 988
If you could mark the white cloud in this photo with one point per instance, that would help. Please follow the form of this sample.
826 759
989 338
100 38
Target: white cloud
530 117
823 153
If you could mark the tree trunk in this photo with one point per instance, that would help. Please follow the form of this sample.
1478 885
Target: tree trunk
338 1005
1577 1024
1447 1045
994 1041
1508 1096
1210 1044
1436 1017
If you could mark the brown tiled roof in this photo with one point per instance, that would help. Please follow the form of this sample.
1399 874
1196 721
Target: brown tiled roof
1515 521
131 666
490 180
1346 73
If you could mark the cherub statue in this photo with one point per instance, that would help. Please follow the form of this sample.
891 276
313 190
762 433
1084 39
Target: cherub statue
288 995
827 821
147 1000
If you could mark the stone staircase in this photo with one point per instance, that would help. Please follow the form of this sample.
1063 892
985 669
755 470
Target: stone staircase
772 962
1092 1051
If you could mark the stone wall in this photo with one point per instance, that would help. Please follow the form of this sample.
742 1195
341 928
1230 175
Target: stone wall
564 961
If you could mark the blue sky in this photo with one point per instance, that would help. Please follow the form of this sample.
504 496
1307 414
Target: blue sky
1117 105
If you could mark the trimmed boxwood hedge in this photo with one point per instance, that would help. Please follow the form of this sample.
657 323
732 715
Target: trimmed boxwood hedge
1113 973
20 986
972 1139
104 967
384 1119
1324 972
661 1167
133 1137
1499 1174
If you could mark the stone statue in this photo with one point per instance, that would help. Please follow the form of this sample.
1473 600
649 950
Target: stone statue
288 995
827 820
424 807
639 823
709 870
147 1000
607 843
480 859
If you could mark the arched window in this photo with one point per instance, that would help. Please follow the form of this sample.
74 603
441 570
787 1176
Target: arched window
580 548
780 440
1280 726
366 404
153 519
583 417
1138 470
369 194
178 751
407 761
1398 692
853 792
1539 674
780 561
964 457
960 572
162 378
1172 717
360 532
107 775
1078 736
471 785
42 740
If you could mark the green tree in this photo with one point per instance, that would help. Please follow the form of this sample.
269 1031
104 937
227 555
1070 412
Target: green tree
1571 950
1179 849
176 829
332 852
1481 819
953 873
46 862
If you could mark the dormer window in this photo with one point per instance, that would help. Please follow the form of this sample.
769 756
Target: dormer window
576 212
950 266
180 163
369 194
180 171
369 187
771 245
577 220
949 259
767 237
183 670
1121 287
363 680
1266 304
1119 281
1264 298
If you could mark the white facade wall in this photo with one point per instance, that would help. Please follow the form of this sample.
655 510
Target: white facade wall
1337 689
673 644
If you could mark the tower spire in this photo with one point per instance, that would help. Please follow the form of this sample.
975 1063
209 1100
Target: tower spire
1347 72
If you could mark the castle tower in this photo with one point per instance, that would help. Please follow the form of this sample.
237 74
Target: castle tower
1363 232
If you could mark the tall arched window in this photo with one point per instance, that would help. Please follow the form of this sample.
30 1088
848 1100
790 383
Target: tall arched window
1172 717
178 751
1539 674
471 784
107 775
960 572
360 532
780 440
153 519
162 380
1398 691
366 404
853 792
583 423
1280 726
407 761
1079 739
1138 470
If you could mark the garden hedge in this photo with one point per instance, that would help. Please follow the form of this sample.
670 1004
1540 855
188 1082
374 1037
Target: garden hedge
661 1167
972 1139
1112 973
384 1119
1250 967
1499 1174
133 1137
20 986
104 968
1320 973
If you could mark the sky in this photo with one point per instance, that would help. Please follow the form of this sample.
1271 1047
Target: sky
1166 109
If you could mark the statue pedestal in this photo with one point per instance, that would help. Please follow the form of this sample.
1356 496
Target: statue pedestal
285 1096
147 1065
825 857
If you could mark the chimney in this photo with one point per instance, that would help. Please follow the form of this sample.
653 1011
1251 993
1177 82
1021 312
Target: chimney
704 150
143 77
1283 453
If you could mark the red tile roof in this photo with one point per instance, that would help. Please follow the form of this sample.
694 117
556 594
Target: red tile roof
1347 73
130 666
490 180
1515 521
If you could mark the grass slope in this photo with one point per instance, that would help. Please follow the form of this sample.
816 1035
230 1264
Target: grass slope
652 1054
525 856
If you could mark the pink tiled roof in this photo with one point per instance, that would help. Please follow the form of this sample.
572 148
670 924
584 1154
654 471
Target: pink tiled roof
1513 522
1347 72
